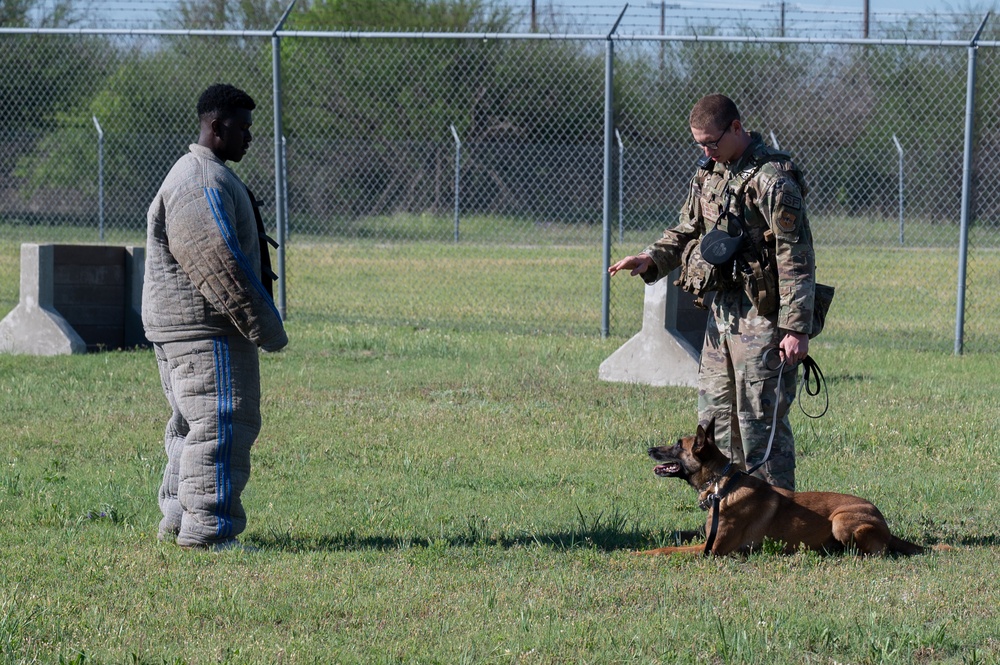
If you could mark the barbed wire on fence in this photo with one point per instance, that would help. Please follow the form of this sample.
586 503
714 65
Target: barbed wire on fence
765 18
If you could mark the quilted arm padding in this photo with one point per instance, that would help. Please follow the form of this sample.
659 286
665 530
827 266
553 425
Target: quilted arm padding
205 243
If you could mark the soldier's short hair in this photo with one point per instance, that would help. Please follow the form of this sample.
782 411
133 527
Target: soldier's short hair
713 112
221 99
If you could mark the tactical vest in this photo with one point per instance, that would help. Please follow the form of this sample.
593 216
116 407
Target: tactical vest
754 268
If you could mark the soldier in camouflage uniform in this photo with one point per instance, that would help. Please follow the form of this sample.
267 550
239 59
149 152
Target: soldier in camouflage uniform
764 297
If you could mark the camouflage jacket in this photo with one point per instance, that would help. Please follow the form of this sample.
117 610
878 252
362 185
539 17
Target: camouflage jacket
777 269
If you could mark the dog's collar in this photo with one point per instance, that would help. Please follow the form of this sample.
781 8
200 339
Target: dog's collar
716 479
715 494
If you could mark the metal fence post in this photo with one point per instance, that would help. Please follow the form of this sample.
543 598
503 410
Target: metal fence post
279 161
899 150
963 242
284 183
621 188
458 177
609 137
100 178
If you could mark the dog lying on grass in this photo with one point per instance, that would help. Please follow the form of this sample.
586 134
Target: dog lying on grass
751 510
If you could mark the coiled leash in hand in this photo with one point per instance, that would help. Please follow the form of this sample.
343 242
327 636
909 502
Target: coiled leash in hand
812 381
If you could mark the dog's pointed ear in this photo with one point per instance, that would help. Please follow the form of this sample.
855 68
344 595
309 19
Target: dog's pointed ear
703 436
699 439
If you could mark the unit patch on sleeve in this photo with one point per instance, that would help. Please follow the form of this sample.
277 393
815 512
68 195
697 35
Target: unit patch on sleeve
789 200
787 221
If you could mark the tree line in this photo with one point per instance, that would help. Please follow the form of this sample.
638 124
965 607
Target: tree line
367 121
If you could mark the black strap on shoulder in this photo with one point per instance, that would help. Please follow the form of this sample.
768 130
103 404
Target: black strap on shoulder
267 276
758 160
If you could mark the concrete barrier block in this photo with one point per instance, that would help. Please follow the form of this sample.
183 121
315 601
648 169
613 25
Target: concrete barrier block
76 298
667 350
135 270
34 327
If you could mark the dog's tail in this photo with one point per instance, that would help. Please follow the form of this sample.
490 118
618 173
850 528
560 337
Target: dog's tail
900 546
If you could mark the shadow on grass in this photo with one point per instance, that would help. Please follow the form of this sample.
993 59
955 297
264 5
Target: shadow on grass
974 541
954 532
607 532
602 540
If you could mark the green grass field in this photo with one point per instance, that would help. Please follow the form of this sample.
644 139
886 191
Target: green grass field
524 278
428 496
427 493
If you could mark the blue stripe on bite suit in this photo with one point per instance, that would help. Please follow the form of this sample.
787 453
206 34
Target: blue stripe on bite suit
228 234
224 415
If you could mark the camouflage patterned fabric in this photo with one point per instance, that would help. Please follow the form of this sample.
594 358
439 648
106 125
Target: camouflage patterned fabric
770 288
737 387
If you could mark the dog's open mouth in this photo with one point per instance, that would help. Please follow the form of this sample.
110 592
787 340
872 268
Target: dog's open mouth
667 469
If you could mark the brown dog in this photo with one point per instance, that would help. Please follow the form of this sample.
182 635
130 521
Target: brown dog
751 510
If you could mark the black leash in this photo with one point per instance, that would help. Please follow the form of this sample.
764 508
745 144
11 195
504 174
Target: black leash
812 381
774 417
714 499
811 370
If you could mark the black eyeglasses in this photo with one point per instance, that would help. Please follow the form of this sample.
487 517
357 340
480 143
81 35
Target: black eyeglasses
712 145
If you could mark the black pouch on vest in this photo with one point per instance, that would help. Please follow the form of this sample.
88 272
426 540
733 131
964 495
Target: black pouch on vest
821 305
720 247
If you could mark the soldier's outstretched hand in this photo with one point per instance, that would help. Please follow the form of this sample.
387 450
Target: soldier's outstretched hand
638 264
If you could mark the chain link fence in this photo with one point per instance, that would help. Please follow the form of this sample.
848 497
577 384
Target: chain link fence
878 131
460 181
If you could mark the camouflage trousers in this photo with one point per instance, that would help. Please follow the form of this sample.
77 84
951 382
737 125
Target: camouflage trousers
737 388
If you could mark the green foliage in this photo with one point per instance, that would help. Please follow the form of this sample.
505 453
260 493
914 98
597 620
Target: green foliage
524 110
146 127
42 76
402 96
14 13
430 15
225 14
51 14
836 108
397 90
